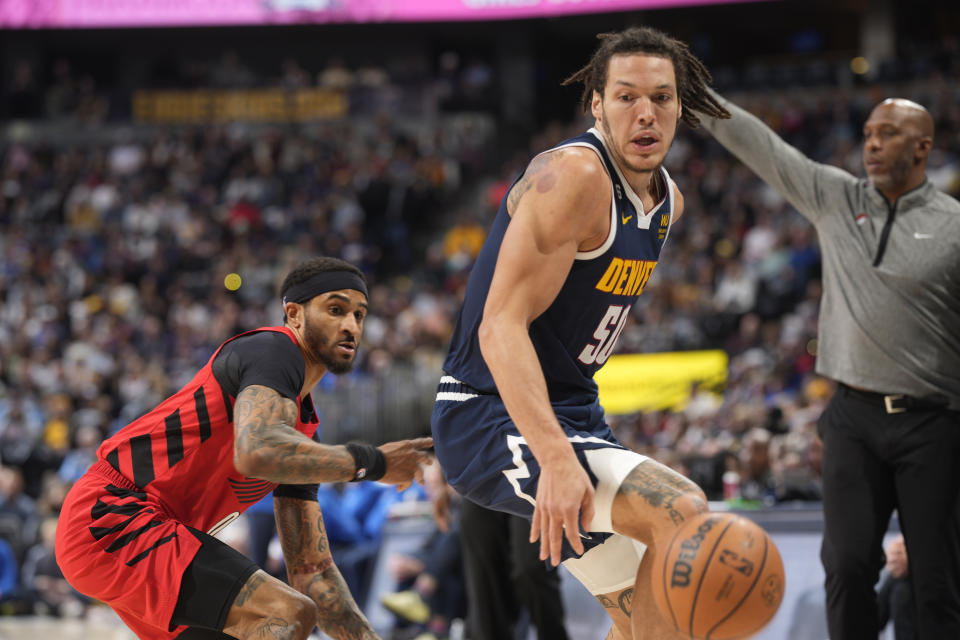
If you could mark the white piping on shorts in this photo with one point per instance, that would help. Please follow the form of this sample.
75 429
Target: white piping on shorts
455 396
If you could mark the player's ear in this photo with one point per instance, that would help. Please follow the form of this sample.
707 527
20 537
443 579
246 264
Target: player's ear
679 109
294 311
596 105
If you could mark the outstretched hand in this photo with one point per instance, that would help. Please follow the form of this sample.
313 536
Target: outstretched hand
563 493
405 461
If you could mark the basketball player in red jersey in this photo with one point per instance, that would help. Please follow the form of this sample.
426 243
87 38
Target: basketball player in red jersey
136 529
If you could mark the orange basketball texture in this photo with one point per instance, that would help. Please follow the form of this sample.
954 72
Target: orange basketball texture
719 578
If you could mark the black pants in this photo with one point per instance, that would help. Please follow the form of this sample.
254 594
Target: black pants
895 599
445 563
504 572
873 463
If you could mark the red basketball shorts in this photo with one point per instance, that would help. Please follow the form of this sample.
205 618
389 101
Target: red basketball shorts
118 544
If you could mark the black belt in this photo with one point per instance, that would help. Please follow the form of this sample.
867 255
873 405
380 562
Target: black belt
897 402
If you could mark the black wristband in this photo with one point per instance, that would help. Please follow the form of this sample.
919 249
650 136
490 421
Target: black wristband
301 491
370 461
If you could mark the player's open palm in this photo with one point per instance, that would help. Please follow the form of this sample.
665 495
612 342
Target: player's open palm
405 461
564 500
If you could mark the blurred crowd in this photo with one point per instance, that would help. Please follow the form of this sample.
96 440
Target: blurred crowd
70 90
113 291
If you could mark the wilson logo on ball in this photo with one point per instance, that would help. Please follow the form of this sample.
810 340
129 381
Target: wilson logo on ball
720 577
682 568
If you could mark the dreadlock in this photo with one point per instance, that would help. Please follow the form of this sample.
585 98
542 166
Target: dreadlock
692 76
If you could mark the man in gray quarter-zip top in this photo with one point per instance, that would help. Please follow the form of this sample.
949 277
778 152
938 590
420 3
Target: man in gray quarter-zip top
890 337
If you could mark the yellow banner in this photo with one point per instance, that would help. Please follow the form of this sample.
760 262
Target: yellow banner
651 381
255 105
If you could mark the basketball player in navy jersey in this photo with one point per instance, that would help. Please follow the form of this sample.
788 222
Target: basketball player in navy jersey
136 531
517 425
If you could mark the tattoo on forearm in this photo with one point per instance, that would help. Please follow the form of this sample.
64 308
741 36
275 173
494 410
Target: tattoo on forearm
606 602
660 489
322 538
302 535
246 591
311 570
265 422
339 615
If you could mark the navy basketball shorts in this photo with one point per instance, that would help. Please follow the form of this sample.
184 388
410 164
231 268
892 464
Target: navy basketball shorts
486 460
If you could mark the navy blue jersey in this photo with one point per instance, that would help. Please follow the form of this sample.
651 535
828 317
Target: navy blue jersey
575 336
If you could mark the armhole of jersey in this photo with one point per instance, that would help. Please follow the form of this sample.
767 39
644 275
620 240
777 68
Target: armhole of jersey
673 200
599 251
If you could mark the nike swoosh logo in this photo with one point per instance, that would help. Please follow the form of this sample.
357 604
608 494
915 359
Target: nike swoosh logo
627 219
922 236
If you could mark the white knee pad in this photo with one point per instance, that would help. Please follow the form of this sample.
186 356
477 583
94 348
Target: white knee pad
610 466
613 565
608 567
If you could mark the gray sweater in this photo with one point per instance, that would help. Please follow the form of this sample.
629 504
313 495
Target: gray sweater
893 327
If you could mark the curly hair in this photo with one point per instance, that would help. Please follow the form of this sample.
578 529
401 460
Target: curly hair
692 76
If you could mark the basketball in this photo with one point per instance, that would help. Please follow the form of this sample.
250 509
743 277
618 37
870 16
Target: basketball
719 578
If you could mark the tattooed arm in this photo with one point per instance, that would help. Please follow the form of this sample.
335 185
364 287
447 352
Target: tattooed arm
311 570
267 445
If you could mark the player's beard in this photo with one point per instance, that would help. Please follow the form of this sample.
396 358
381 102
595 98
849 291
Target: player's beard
613 145
322 350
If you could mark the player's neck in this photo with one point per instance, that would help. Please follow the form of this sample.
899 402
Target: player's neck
645 185
312 375
314 370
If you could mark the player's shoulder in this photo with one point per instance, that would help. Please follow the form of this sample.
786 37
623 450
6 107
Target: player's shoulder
263 336
265 343
576 161
568 169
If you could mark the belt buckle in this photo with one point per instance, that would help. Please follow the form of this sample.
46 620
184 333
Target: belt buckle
890 399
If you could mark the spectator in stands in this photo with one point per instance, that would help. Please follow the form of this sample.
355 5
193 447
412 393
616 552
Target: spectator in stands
42 581
84 453
756 474
895 595
9 573
18 512
432 591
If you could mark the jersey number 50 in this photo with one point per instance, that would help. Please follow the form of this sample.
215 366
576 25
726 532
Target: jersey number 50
605 335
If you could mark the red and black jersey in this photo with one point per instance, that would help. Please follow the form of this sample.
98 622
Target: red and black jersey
182 451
